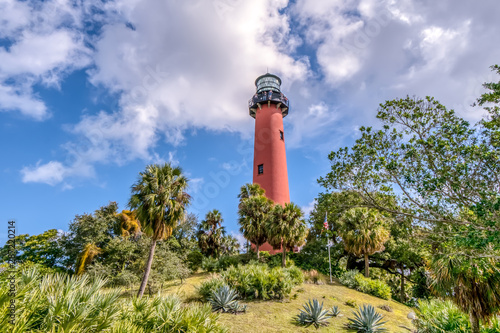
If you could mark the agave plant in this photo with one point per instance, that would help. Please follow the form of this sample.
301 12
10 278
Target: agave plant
367 320
335 311
224 300
313 314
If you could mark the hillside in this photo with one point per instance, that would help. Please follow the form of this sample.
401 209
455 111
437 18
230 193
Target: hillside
277 316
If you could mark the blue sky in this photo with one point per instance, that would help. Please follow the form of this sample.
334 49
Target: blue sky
91 92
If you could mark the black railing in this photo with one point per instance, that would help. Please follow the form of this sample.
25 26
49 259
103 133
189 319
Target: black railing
268 96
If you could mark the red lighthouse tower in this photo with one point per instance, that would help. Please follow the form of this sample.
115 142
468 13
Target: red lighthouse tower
269 106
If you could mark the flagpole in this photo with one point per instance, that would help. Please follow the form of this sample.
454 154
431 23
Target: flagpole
328 245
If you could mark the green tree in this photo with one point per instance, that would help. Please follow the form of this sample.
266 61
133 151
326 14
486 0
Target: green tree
439 166
44 249
159 199
364 233
286 228
211 234
253 213
97 229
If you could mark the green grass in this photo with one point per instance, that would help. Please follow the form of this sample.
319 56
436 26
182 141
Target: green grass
277 316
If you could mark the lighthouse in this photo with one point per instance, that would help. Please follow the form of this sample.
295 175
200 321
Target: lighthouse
269 106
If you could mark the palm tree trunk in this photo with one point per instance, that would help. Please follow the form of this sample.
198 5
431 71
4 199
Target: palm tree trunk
258 253
474 323
283 258
148 268
367 264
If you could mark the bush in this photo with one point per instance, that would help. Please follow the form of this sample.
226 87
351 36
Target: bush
59 303
195 260
256 281
441 316
208 287
348 278
210 264
373 287
354 279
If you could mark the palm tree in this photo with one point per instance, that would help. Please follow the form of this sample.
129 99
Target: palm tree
128 224
159 200
254 213
230 245
363 233
250 190
211 234
473 283
286 228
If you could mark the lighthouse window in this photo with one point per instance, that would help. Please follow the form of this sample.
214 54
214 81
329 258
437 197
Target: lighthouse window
281 135
260 169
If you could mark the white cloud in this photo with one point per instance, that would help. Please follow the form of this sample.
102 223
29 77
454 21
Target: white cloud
22 99
50 173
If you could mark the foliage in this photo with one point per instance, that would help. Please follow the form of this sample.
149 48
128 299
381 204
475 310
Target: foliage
363 232
128 225
256 281
159 200
208 287
367 320
286 228
314 255
59 303
195 260
351 302
441 316
373 287
210 234
97 229
313 314
44 249
224 300
348 278
86 257
355 280
254 211
446 174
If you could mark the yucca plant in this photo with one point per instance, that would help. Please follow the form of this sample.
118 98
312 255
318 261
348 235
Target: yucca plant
224 300
367 320
335 311
313 314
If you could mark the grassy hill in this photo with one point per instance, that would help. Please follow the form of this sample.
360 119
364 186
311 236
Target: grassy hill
277 316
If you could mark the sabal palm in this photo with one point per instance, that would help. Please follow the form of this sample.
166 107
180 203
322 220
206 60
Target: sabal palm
159 199
253 214
250 190
472 283
211 233
286 228
363 233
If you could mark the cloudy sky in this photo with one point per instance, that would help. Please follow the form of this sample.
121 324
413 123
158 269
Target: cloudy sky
91 91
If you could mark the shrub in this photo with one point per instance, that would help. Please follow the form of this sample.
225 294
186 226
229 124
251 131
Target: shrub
312 276
441 316
224 300
354 279
209 286
351 302
373 287
313 314
195 260
367 320
60 303
256 281
210 264
348 278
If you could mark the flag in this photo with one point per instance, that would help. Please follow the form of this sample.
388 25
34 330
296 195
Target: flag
325 224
